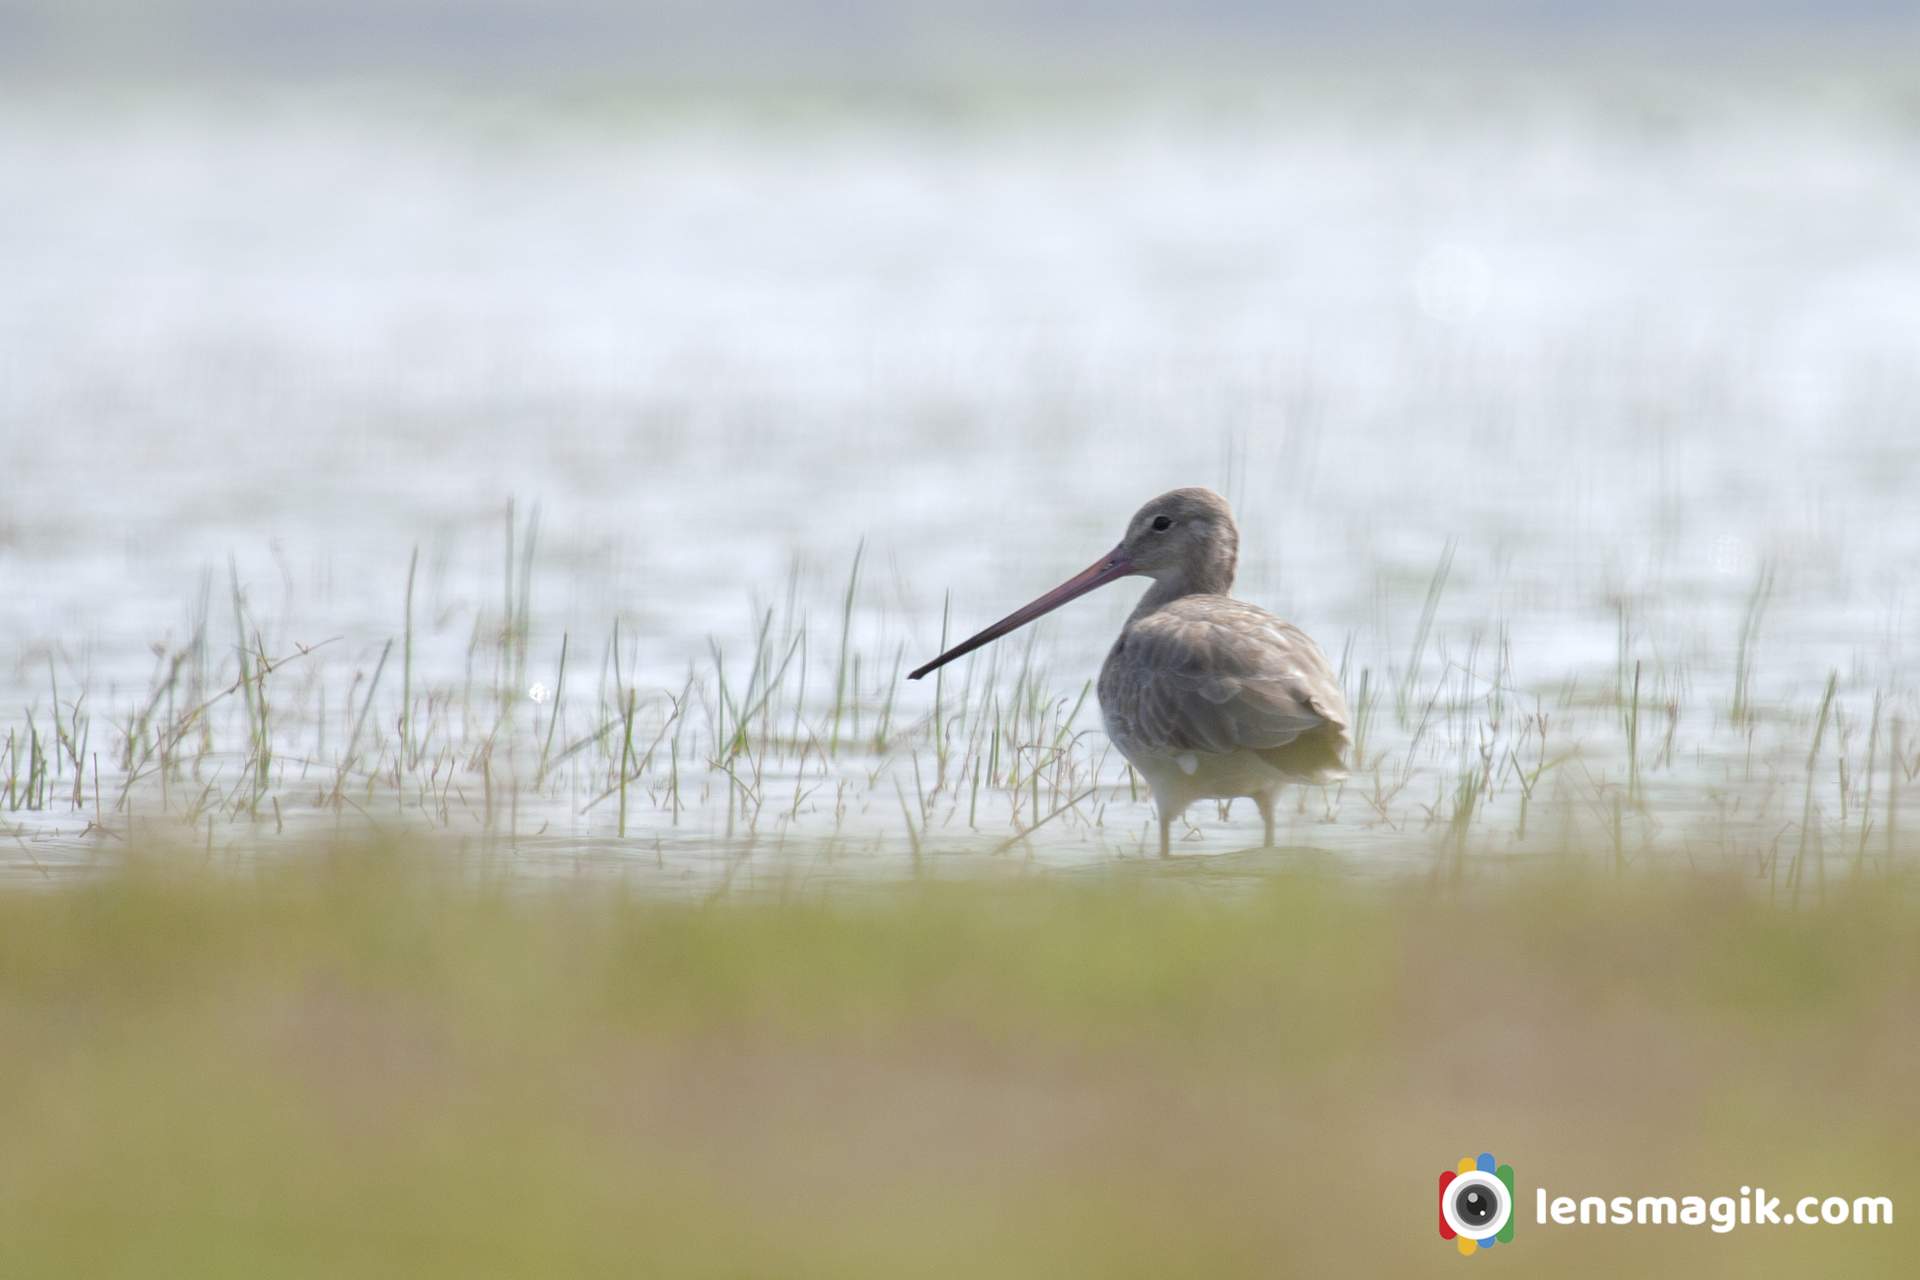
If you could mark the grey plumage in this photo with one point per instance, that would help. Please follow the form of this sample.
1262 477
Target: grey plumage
1205 695
1211 673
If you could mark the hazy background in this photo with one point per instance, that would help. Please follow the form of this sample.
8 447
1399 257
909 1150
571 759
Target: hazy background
426 36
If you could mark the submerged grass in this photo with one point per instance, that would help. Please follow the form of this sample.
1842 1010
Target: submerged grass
800 734
376 1060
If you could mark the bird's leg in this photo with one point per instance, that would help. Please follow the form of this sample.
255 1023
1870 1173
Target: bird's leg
1166 831
1265 800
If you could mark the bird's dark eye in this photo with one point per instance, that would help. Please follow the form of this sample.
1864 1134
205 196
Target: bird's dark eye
1162 523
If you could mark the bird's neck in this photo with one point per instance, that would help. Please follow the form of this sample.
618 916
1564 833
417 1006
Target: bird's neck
1214 578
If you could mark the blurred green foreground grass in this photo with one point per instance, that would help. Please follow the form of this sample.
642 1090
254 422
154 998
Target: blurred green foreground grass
375 1063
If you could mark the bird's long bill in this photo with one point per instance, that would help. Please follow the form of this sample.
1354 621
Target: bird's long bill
1098 574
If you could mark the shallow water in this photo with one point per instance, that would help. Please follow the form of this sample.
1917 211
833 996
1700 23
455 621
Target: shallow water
1630 351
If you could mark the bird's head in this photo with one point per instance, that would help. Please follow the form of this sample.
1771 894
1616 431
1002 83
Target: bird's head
1185 536
1186 533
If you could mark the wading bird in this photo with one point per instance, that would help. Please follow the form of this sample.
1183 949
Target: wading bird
1206 696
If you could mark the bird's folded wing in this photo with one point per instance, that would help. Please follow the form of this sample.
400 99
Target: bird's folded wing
1232 679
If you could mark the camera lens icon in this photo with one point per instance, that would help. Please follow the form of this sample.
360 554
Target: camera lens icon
1476 1203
